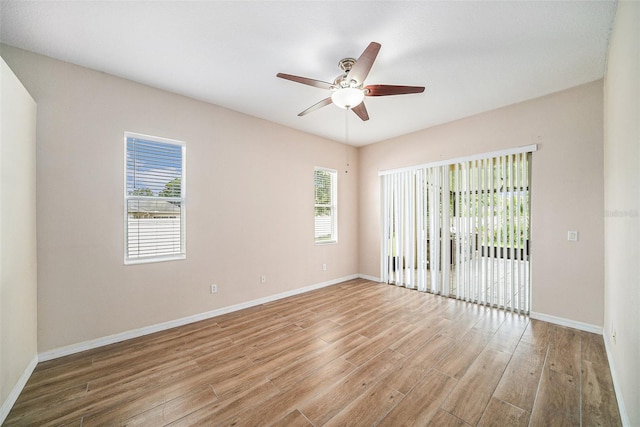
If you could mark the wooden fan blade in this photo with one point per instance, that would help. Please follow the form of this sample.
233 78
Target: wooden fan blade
306 81
315 106
361 111
385 90
361 68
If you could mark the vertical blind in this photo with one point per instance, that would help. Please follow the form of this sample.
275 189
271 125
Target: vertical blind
154 199
461 230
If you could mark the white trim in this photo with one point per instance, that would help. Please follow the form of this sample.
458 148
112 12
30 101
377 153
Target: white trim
326 242
587 327
505 152
153 138
624 416
135 333
17 389
163 258
372 278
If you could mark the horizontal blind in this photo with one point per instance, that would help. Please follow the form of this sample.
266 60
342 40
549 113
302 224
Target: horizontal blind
151 166
155 213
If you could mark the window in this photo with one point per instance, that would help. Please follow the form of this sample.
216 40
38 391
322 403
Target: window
154 199
326 205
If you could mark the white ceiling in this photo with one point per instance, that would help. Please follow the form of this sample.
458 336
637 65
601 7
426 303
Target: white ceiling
471 56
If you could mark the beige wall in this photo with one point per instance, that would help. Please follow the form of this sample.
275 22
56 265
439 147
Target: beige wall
249 200
249 205
18 270
567 190
622 205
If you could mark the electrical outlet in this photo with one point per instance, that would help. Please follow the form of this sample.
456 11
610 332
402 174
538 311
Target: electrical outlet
263 279
324 267
214 289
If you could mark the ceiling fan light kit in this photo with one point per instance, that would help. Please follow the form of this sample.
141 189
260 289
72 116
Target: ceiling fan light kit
347 97
348 90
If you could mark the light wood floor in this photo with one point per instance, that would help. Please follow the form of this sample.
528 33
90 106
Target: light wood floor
357 353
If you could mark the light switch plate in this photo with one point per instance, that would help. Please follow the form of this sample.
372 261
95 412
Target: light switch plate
572 236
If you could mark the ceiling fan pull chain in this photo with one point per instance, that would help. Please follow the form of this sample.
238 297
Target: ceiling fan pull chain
346 137
346 126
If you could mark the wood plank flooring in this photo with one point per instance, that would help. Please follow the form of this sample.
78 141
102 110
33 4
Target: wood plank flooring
354 354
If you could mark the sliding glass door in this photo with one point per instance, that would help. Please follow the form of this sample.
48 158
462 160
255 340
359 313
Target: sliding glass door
460 230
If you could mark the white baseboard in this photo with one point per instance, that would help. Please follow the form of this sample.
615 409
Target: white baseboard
616 385
567 322
17 389
366 277
135 333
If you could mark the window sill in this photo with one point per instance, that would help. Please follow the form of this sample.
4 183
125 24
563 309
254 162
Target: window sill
328 242
154 260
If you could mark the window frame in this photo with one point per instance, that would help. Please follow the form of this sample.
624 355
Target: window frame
333 206
183 185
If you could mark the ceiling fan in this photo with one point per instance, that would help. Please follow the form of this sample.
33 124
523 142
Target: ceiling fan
348 89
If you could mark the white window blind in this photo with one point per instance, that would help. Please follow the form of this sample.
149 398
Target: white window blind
326 206
460 230
154 199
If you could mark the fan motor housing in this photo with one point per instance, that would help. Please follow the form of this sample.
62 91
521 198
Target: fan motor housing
341 81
